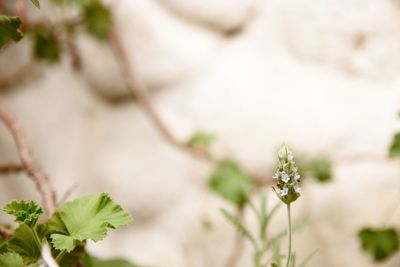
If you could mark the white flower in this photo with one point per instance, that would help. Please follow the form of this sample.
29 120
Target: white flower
285 177
290 156
276 175
297 188
284 191
297 176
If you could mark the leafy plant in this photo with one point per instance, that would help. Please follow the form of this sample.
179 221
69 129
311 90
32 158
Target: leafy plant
67 230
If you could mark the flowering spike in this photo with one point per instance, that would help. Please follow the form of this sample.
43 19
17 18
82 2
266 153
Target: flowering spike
286 176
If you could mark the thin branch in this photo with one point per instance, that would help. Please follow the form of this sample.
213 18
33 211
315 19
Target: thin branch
32 168
138 90
11 168
5 233
237 249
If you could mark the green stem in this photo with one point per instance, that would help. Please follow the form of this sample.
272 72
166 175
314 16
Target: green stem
290 236
60 256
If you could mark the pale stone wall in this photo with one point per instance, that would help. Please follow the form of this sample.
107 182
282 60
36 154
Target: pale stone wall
322 76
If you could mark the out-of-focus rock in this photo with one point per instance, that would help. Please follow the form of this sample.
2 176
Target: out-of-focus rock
222 15
356 36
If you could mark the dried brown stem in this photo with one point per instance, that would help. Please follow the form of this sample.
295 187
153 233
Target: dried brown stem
11 168
32 168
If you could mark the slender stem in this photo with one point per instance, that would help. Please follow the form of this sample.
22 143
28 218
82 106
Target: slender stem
60 256
237 248
290 236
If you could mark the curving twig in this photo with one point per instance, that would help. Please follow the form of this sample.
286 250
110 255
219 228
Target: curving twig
31 167
138 90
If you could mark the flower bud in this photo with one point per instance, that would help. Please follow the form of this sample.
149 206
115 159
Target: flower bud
286 176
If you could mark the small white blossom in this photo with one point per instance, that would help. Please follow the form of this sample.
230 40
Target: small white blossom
297 176
297 188
285 177
276 175
290 156
284 191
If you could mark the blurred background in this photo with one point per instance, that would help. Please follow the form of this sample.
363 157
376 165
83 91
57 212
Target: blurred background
322 76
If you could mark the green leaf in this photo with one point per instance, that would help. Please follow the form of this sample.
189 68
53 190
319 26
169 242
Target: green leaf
200 140
380 243
36 3
239 226
97 19
231 182
63 242
394 149
91 261
9 29
320 169
11 259
25 242
46 45
27 212
85 218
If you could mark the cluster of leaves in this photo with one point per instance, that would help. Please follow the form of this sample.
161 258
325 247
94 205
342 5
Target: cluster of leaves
66 232
94 17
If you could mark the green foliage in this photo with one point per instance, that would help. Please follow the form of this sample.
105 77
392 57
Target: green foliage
320 169
11 259
380 243
231 182
9 29
85 218
36 3
91 261
71 225
27 212
239 226
394 149
200 140
97 20
26 241
3 245
46 44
